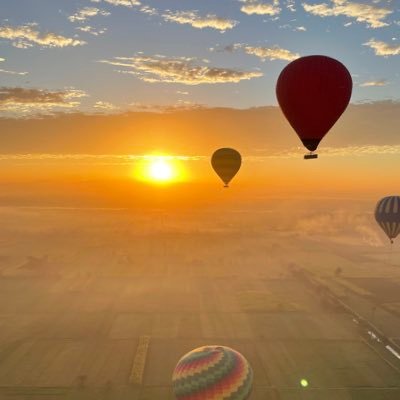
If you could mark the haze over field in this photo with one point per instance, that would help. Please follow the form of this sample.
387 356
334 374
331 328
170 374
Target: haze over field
81 287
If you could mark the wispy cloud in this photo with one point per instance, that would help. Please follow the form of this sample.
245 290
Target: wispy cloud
197 21
188 71
265 53
87 12
372 15
111 158
24 36
383 49
5 71
291 5
271 53
105 105
380 82
125 3
148 10
90 29
359 151
260 7
363 150
25 101
181 105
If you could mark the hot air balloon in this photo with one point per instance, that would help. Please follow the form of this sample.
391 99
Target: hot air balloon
226 163
313 93
211 373
387 215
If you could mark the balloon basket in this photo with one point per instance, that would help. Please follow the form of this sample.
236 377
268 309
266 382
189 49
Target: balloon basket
310 156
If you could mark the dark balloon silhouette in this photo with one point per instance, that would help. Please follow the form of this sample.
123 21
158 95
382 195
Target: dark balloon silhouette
387 215
212 373
313 93
226 163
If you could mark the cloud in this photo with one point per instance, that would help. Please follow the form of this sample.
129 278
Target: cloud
260 7
25 101
91 30
362 120
346 151
270 53
380 82
4 71
196 21
105 105
148 10
87 12
170 108
291 5
183 70
369 14
27 35
125 3
383 49
128 158
230 48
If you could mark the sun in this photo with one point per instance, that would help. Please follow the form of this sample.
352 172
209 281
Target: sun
160 171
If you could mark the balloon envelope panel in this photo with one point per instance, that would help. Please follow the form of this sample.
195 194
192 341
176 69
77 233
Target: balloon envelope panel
212 373
226 163
313 92
387 214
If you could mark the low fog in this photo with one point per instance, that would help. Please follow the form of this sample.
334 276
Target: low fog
81 288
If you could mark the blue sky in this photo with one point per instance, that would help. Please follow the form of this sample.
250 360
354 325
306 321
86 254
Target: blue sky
116 55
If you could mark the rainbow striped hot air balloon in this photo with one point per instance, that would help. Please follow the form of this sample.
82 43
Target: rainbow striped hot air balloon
212 373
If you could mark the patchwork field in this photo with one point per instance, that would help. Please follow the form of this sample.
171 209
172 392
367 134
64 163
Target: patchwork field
107 315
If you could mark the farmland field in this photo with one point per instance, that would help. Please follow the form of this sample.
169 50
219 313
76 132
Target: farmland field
78 304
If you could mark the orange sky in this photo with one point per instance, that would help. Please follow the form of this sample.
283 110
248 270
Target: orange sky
96 158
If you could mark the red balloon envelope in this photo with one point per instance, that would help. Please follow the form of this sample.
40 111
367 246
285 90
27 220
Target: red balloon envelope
313 92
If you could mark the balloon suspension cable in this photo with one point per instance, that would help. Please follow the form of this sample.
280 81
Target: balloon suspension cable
310 156
390 255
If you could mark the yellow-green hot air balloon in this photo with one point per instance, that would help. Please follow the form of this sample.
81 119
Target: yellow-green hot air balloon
226 163
387 215
212 373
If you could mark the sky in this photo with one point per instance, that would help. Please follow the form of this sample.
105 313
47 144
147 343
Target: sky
89 89
107 56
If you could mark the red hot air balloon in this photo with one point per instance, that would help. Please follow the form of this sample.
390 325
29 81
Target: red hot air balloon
313 93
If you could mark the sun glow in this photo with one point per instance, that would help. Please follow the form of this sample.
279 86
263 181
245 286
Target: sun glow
160 169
